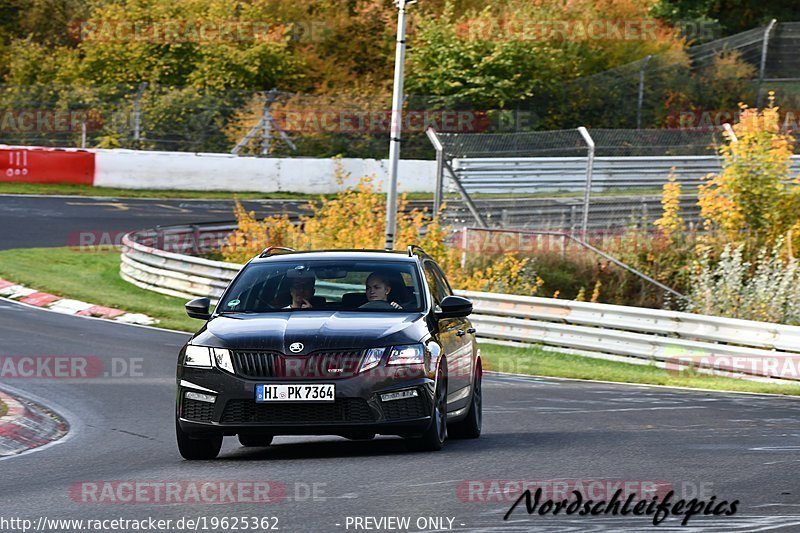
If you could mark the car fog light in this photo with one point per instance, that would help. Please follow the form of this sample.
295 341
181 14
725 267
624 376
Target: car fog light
208 398
389 396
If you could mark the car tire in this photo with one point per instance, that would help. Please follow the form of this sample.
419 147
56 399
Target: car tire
255 441
470 427
433 438
197 448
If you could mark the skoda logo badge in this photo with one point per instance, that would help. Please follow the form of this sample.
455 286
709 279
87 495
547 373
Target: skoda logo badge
296 347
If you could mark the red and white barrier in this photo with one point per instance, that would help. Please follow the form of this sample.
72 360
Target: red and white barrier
131 169
47 165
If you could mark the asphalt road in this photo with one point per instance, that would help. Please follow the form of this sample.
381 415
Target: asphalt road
732 446
49 221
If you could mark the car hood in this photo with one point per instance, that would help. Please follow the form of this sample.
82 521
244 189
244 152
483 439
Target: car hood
315 330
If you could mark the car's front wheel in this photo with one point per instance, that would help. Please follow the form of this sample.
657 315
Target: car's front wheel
197 448
470 427
433 438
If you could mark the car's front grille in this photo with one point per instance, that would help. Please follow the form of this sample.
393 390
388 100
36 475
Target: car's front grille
324 364
255 364
197 410
405 408
342 410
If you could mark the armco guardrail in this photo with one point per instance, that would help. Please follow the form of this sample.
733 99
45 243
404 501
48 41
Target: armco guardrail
156 259
539 174
622 190
680 339
542 174
605 212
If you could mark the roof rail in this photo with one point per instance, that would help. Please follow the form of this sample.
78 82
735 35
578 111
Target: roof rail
273 249
414 247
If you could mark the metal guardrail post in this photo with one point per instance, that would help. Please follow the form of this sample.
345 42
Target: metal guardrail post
438 190
573 218
266 129
137 113
763 65
465 195
731 134
588 187
464 244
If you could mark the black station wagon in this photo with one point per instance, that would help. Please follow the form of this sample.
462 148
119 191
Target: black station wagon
349 343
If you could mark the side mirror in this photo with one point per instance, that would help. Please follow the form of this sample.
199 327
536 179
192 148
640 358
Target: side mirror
198 308
454 307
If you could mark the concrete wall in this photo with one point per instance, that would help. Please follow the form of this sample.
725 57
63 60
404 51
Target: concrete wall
132 169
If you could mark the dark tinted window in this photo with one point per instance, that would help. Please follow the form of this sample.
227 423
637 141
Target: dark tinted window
438 287
441 281
338 285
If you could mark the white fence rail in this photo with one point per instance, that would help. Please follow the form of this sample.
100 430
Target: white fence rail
675 338
542 174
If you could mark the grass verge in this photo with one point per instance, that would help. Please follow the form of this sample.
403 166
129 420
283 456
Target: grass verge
88 190
93 276
3 409
535 361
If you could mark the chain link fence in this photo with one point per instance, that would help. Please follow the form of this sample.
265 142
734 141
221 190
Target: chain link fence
571 180
695 89
266 123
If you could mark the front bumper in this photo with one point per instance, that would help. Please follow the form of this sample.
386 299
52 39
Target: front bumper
358 407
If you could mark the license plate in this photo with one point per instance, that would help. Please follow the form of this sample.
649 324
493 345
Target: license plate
320 392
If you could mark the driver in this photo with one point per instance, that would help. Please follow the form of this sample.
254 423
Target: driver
378 289
302 290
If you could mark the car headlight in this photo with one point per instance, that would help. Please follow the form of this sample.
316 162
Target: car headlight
203 356
198 356
410 354
372 359
223 359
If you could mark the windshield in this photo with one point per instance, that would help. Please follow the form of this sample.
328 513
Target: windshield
338 285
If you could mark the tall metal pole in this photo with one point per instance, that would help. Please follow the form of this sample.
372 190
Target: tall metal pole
640 99
587 192
437 193
763 65
266 124
137 114
396 129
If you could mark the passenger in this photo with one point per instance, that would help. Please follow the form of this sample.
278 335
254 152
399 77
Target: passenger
378 289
